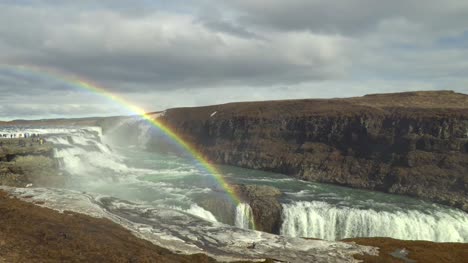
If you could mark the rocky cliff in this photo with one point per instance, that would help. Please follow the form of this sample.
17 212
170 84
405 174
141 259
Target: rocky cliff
266 208
413 143
26 162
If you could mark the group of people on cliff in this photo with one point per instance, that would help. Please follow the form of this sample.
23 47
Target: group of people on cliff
36 138
19 135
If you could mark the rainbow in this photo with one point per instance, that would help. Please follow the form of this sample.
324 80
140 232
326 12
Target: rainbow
82 83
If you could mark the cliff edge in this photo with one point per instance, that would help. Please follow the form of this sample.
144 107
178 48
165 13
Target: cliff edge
412 143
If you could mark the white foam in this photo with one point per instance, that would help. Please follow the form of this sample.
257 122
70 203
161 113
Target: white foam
244 216
200 212
322 220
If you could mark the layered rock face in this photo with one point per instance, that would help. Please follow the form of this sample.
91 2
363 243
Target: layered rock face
412 143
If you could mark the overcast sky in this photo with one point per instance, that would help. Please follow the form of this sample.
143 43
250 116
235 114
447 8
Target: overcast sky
163 54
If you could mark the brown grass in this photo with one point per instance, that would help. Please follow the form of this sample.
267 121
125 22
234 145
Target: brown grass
419 251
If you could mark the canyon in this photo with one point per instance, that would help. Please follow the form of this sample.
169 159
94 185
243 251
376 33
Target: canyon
413 143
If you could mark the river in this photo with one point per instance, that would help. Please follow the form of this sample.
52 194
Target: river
100 167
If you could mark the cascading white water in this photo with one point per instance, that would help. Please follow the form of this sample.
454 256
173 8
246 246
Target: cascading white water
162 180
82 150
196 210
321 220
94 165
244 216
201 212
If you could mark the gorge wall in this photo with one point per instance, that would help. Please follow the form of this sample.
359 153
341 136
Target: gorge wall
413 143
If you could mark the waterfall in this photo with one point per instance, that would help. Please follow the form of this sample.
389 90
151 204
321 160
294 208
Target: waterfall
244 216
322 220
81 153
93 166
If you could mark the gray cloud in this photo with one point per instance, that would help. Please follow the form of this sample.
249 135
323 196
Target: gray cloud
352 16
163 54
169 49
44 110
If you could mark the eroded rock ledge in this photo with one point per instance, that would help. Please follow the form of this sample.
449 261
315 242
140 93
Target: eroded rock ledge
26 162
412 143
265 206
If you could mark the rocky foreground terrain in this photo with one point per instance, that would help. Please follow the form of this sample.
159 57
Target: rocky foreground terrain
413 143
29 233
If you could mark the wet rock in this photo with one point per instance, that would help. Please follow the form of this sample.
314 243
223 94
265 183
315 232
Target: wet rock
265 206
222 208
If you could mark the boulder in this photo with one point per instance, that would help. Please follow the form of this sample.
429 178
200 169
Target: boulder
265 206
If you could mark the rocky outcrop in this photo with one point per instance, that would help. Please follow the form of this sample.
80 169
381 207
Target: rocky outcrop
265 206
413 143
25 162
262 199
13 148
